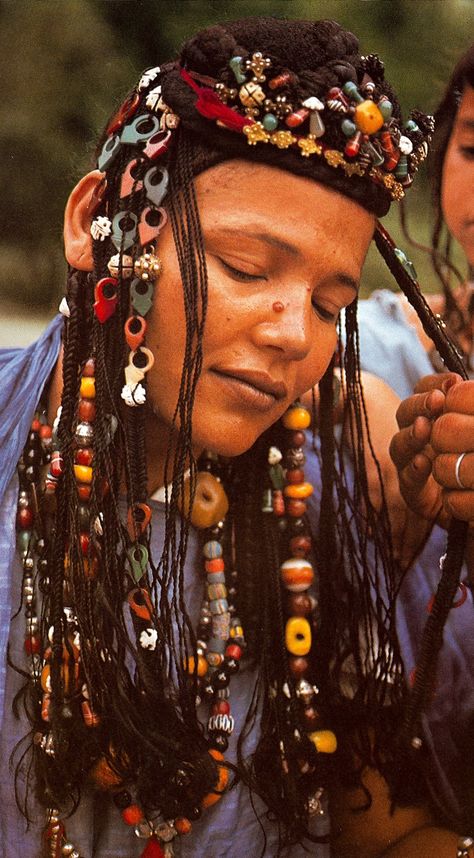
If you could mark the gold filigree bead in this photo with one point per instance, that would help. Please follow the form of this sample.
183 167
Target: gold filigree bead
147 267
354 169
334 158
309 146
256 133
283 139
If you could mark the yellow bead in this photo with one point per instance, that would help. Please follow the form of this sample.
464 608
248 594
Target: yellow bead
201 665
87 387
83 474
324 740
298 636
297 417
368 117
298 490
236 632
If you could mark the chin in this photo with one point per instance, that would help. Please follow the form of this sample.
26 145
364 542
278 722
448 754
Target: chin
228 441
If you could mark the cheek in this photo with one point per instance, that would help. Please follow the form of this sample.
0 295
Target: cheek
311 370
453 191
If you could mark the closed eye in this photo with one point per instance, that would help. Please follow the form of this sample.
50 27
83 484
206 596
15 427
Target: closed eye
325 314
468 151
237 274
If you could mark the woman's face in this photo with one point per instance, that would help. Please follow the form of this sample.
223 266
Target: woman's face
284 256
457 191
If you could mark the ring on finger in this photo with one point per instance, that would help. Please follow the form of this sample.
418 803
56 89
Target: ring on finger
457 469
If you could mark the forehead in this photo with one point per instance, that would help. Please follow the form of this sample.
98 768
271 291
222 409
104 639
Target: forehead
465 114
301 212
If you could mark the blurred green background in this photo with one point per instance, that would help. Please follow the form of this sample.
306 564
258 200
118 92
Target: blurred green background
66 63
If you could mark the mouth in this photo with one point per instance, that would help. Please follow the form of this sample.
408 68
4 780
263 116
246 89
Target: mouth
254 386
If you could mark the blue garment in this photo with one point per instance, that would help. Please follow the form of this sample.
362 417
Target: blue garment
389 345
231 829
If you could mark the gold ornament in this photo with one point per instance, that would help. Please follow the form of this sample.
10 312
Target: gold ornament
256 133
354 169
257 65
283 139
334 158
147 267
309 146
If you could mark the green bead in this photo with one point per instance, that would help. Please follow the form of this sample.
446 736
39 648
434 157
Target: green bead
386 107
348 127
402 168
351 90
411 125
277 477
138 556
141 295
270 122
236 65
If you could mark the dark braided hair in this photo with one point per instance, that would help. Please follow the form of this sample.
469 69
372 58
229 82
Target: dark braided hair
149 728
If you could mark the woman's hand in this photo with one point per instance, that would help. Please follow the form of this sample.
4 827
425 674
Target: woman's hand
436 425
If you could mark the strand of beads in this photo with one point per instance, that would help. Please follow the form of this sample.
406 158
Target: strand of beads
297 577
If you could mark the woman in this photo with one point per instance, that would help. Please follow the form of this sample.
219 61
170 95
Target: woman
193 265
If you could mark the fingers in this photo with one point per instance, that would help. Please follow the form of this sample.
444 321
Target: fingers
445 473
438 381
460 398
453 433
427 405
410 441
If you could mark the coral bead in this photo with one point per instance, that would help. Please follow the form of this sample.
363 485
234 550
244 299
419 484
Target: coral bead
222 707
215 565
299 490
299 666
86 410
87 389
233 651
296 574
300 604
84 456
89 368
295 507
298 636
84 492
25 518
368 117
132 814
324 740
85 542
210 502
300 546
298 439
296 476
297 417
32 645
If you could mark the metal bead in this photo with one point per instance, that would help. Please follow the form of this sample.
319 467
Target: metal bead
84 434
68 849
143 830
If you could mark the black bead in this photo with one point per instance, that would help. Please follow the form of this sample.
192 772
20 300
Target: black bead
180 780
122 800
231 665
221 678
219 741
192 813
297 526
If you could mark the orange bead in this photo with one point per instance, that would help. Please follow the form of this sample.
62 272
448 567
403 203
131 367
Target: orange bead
87 389
298 490
132 815
83 474
367 117
297 417
201 665
216 795
214 565
182 825
210 503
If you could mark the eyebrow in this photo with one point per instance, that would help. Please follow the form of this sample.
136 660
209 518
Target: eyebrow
340 276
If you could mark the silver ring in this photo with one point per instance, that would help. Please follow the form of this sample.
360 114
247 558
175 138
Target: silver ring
456 471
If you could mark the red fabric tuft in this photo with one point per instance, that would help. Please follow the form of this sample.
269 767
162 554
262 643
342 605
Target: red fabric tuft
209 105
153 849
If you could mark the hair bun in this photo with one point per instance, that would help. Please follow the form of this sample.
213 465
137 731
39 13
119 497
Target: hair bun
208 51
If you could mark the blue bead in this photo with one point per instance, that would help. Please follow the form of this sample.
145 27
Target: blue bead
270 122
348 127
109 151
351 90
386 107
411 125
212 549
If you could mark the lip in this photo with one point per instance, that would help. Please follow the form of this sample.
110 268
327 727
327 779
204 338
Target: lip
255 384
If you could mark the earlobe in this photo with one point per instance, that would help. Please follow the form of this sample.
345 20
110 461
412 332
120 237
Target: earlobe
77 222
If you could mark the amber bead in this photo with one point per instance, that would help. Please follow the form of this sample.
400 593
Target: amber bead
299 491
83 474
324 740
86 410
210 502
190 665
296 508
368 117
295 476
300 546
298 636
87 389
299 604
297 417
83 456
299 666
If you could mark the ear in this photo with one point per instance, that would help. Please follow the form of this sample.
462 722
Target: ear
77 222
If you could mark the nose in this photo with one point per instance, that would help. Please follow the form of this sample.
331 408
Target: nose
288 330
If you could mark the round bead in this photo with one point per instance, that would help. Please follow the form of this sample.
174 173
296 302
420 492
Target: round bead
295 476
212 549
87 389
294 458
182 825
84 434
298 438
83 474
32 644
296 508
299 490
348 128
233 651
89 368
297 417
296 574
84 456
311 717
221 707
84 492
298 636
219 742
220 679
270 122
214 796
132 814
210 502
324 740
25 518
368 117
190 665
86 410
299 604
300 546
215 565
298 666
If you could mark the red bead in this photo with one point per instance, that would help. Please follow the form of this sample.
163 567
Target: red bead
84 491
214 565
296 476
300 546
25 518
45 431
89 368
153 849
83 456
298 666
311 717
85 542
222 707
278 503
132 815
86 410
298 438
35 426
296 508
32 645
353 145
281 79
56 466
233 651
293 120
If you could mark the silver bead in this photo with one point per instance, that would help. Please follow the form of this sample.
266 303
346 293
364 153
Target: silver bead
143 830
28 563
68 849
305 691
84 434
416 743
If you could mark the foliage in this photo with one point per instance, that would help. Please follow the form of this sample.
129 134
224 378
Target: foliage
65 63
